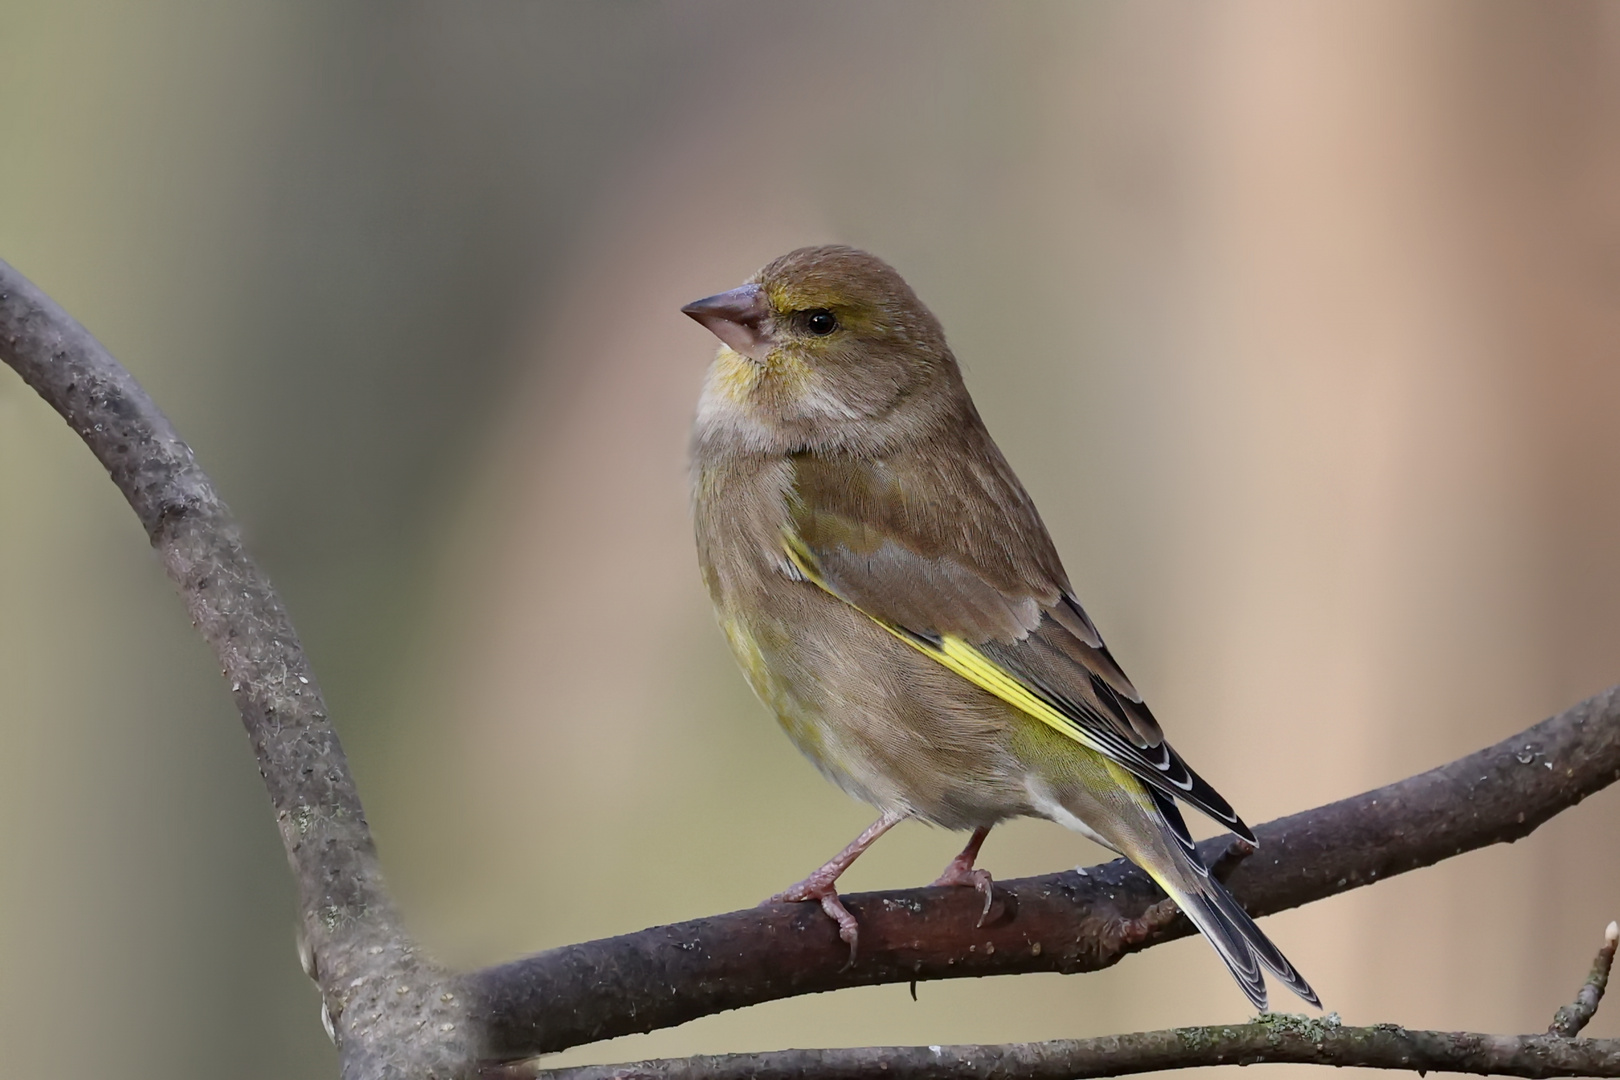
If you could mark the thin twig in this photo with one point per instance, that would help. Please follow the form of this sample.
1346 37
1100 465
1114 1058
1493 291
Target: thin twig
1276 1038
378 992
1570 1019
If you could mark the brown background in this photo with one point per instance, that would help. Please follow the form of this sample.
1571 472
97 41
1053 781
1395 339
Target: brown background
1299 321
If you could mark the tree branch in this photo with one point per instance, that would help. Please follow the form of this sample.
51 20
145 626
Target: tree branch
376 990
1274 1037
1060 922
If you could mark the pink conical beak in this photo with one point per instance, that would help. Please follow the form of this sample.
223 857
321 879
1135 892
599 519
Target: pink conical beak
738 318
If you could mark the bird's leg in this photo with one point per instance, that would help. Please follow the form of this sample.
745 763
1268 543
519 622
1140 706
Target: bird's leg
959 871
820 885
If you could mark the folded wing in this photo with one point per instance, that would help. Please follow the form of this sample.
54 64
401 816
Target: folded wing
971 580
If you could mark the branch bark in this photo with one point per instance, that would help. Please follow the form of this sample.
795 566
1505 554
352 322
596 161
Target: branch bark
378 993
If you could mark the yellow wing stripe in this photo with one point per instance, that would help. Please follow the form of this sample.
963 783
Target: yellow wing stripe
959 656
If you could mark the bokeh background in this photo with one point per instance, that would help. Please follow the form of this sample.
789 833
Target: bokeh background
1299 321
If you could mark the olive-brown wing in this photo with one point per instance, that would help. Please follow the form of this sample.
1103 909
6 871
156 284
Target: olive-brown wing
952 548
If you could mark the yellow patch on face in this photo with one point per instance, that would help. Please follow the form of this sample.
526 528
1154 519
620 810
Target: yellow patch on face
788 370
853 315
802 296
733 376
783 378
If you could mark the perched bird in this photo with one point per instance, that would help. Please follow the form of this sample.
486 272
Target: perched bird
892 595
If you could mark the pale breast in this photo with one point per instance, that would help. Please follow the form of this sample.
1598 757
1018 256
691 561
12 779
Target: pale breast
884 722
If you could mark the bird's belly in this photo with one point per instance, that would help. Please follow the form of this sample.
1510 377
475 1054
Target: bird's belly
883 721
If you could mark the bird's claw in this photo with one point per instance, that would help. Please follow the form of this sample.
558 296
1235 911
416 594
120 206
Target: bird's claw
824 893
979 880
848 928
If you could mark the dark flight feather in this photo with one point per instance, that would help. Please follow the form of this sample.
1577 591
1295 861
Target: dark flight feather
1216 912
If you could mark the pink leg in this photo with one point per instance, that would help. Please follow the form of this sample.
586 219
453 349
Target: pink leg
819 885
960 871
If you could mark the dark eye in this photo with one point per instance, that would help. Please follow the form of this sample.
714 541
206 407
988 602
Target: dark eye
820 321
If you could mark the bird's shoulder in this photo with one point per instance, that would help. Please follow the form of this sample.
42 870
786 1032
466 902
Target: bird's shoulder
943 513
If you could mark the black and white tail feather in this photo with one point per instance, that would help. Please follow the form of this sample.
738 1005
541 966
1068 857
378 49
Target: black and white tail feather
1244 947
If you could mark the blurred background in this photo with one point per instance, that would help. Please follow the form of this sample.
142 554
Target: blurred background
1299 322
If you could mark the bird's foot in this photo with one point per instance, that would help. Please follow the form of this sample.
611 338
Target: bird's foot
820 887
960 872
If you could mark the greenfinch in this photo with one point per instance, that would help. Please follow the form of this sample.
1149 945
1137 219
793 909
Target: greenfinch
893 597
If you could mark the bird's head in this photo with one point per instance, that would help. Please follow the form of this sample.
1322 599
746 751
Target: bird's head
820 338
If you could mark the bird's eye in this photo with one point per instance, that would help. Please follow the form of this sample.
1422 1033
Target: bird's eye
820 322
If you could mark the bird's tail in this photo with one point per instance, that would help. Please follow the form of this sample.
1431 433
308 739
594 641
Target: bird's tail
1217 914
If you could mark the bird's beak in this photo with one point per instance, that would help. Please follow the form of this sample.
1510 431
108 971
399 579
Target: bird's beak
737 317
